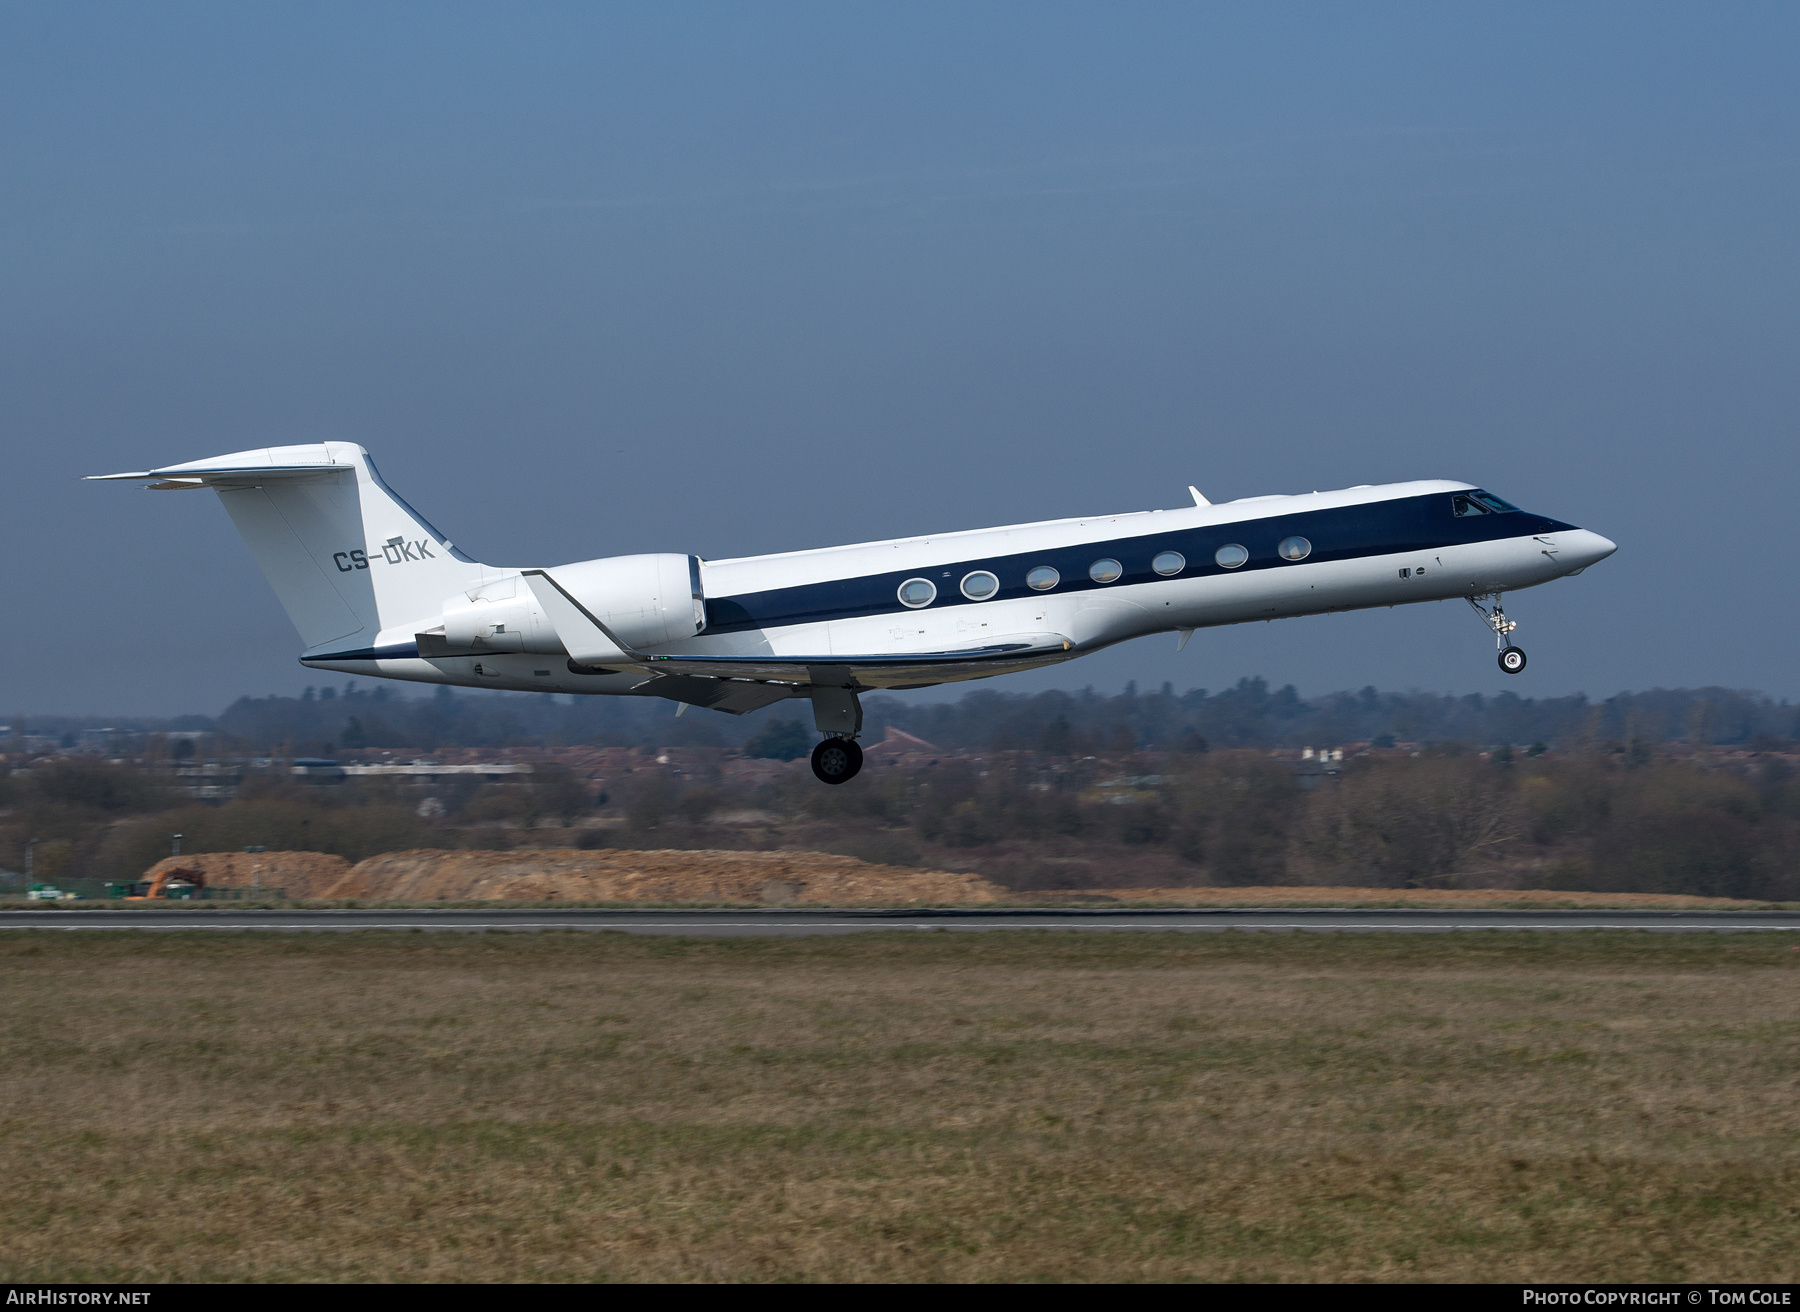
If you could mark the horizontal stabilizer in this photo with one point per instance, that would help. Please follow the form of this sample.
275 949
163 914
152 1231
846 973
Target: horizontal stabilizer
239 469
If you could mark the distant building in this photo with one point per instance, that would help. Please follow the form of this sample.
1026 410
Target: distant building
492 771
898 742
318 770
1315 768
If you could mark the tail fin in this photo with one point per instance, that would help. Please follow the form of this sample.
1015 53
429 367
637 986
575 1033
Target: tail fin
343 552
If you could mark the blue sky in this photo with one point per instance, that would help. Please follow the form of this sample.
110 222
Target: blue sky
595 279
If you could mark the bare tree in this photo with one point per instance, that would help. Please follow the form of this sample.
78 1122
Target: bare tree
1410 824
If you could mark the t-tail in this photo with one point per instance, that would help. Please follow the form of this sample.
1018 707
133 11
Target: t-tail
347 557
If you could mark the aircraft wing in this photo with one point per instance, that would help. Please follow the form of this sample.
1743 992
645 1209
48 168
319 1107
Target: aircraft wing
839 670
738 684
716 680
733 696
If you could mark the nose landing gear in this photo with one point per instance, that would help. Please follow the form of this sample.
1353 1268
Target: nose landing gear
1512 659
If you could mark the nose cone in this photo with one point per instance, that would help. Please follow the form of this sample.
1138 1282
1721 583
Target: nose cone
1582 548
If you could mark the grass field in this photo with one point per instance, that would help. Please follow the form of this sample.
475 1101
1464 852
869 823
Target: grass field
1037 1105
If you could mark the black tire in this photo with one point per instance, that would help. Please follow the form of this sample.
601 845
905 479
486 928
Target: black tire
1512 660
836 760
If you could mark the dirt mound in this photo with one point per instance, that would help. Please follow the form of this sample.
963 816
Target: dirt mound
300 874
1301 895
620 875
616 875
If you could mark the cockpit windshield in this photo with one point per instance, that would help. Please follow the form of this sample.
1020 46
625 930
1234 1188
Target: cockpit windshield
1480 503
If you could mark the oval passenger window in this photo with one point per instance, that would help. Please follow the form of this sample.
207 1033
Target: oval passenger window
915 593
1230 556
1294 549
1169 562
1105 571
1042 579
979 585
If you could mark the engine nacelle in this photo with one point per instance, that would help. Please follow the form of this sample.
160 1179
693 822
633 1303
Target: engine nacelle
645 601
498 616
488 626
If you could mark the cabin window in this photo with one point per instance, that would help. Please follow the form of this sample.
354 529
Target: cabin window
1169 562
1493 502
979 585
1042 579
1105 570
915 593
1468 506
1294 549
1230 556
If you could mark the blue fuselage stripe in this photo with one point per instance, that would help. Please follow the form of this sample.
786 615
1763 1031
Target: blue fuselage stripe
1378 528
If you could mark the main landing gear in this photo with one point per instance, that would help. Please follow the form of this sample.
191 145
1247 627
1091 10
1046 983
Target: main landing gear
836 760
838 715
1512 659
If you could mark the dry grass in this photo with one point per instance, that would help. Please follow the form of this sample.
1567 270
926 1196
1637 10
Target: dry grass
1443 899
928 1106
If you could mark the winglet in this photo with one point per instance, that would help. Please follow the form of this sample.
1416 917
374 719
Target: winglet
583 637
1198 499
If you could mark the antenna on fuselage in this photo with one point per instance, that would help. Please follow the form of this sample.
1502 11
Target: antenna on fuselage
1198 499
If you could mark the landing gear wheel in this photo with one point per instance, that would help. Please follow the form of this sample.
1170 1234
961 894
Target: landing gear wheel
1512 659
836 760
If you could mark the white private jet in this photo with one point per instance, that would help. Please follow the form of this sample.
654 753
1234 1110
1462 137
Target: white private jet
374 589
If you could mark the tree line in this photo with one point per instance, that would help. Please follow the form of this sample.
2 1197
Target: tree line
1249 714
1618 817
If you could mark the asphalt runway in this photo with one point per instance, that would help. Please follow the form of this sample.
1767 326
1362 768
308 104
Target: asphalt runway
792 922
